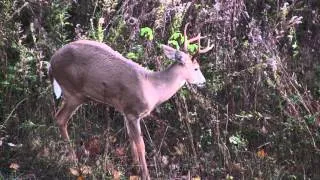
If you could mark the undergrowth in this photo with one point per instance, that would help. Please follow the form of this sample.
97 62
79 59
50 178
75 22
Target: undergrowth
258 117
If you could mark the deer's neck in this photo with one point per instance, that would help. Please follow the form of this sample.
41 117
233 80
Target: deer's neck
167 82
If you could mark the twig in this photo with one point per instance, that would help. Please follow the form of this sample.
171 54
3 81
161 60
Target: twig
155 166
264 144
149 137
94 10
162 140
189 128
107 144
18 10
9 116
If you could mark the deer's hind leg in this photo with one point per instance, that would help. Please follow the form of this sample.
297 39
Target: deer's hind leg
68 107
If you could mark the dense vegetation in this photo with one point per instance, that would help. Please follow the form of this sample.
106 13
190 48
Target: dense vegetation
257 118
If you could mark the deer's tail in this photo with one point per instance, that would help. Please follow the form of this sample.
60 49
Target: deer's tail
56 87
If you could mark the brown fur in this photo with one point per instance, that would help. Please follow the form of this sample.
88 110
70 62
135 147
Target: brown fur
88 70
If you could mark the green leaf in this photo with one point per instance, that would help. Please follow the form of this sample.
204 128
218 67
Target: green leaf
175 43
192 48
5 83
28 125
234 140
147 33
177 36
132 55
295 45
150 37
310 119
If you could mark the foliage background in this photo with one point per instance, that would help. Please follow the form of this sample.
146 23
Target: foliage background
258 117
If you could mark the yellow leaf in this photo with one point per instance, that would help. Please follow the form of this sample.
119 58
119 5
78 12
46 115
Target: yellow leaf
229 177
196 178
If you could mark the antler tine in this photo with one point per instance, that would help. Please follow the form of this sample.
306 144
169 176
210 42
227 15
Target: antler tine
208 48
186 42
196 38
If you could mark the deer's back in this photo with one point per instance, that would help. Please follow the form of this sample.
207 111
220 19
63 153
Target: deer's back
94 71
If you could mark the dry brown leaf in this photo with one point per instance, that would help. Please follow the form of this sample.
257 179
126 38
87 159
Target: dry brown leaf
14 166
264 130
80 178
261 153
120 151
116 175
86 169
74 171
112 139
82 152
45 152
134 178
93 146
180 149
165 160
109 167
235 167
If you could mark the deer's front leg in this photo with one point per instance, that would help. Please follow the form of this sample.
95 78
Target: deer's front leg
137 143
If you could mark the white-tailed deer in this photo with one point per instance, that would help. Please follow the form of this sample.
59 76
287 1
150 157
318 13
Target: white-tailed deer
86 70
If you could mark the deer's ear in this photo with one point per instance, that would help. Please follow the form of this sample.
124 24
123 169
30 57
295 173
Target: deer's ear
173 54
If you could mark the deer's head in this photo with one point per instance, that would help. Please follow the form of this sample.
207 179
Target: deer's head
189 63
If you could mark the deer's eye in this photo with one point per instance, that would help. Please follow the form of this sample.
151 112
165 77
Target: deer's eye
196 69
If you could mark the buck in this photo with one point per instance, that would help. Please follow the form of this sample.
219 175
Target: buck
85 70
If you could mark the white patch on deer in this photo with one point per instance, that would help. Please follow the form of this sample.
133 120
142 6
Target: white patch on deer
57 89
183 83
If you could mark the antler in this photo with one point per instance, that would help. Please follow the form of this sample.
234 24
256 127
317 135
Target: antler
208 48
196 38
